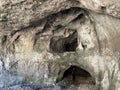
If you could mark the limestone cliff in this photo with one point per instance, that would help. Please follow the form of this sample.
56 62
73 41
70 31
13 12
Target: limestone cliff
45 41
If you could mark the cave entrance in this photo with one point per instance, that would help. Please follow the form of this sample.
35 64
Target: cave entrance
64 44
76 75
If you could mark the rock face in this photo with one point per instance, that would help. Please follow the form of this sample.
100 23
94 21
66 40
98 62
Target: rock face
42 39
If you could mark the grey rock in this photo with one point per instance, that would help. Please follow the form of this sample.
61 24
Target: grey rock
41 39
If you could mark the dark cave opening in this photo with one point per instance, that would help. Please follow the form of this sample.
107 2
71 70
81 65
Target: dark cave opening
70 42
61 44
76 75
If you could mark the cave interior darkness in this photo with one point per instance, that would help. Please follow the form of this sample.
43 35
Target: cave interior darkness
66 44
77 75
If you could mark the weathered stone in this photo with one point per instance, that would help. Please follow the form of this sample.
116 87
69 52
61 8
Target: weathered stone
47 37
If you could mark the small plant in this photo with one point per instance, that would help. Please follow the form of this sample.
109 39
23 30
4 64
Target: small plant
39 1
36 1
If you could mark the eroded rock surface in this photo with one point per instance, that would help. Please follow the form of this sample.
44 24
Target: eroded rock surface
41 39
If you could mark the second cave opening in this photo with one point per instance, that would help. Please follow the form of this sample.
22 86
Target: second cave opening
64 44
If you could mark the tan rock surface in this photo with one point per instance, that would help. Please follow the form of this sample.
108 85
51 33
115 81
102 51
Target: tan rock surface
41 39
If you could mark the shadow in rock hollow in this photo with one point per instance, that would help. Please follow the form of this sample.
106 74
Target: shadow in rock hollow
76 78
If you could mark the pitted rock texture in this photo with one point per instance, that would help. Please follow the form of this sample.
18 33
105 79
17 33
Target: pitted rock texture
41 39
